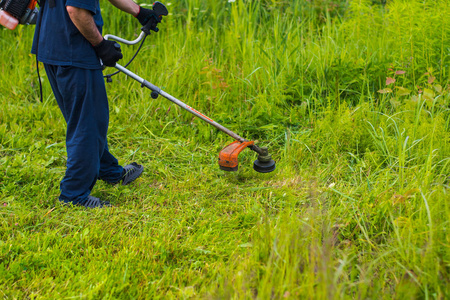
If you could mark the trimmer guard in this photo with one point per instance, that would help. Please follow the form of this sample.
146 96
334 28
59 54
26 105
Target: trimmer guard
228 157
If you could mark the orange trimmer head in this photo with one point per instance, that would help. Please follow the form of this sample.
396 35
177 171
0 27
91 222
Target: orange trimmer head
228 157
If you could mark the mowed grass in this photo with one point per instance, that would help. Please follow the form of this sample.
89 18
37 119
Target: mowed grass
352 99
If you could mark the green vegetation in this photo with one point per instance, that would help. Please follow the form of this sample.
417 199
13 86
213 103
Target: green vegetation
352 98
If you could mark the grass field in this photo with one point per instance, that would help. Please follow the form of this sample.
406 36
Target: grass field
351 97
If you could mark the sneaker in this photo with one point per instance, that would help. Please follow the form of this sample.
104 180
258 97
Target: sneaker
131 172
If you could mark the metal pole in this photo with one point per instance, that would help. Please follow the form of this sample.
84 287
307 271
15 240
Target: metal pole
179 103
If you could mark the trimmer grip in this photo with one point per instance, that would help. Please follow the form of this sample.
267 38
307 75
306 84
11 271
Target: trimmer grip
161 10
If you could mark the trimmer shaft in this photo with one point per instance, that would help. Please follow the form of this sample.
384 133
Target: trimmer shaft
228 157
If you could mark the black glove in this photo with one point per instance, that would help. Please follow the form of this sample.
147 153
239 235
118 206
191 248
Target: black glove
109 52
146 15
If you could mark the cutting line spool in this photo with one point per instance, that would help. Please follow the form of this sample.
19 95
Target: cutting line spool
264 166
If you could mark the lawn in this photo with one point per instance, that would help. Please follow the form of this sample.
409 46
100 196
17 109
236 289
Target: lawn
351 97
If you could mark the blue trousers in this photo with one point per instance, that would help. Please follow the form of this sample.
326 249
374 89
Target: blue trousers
81 96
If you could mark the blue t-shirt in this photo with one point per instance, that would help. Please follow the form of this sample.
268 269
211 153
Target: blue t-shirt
60 43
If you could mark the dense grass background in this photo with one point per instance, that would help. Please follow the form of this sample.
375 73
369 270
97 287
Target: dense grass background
352 98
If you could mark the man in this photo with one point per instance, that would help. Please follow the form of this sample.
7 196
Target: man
69 42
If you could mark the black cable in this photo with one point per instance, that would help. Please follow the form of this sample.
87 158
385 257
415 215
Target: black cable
134 56
37 47
39 78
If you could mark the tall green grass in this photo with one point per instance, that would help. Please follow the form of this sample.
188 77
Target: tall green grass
352 98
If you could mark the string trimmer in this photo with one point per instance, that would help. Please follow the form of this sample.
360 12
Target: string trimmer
228 157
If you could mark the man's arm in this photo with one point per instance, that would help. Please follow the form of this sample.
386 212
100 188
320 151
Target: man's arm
84 21
128 6
108 51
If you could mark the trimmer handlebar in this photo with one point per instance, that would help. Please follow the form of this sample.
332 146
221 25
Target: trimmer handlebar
160 9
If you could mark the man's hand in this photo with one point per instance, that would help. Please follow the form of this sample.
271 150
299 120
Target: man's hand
146 15
109 52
